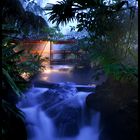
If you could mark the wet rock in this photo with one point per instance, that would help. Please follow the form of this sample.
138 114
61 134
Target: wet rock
65 108
67 121
118 105
49 98
54 96
66 117
13 126
46 84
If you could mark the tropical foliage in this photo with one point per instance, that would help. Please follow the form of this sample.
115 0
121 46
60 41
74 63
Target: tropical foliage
13 84
27 23
10 75
112 28
16 25
12 68
54 33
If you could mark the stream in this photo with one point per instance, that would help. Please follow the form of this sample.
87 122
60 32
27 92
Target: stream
59 113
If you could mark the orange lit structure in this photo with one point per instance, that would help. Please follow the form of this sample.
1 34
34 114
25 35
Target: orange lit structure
45 49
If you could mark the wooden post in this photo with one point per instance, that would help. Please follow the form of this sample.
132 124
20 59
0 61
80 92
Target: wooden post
50 51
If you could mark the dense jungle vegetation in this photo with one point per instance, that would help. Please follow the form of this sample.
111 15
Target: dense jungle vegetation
112 28
111 46
17 24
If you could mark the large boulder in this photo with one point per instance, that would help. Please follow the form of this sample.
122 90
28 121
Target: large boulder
64 113
66 108
117 103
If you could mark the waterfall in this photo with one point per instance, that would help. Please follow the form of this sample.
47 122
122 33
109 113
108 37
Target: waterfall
58 114
39 126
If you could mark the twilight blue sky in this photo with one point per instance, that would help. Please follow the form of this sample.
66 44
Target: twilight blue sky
64 29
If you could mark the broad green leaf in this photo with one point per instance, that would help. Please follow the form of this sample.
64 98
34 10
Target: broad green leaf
11 82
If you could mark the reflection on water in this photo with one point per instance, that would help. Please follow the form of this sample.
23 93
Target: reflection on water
67 73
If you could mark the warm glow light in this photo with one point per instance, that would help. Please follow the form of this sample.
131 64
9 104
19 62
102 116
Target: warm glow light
13 43
50 70
39 51
58 69
44 78
25 75
34 42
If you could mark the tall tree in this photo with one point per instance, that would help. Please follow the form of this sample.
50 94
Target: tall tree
112 26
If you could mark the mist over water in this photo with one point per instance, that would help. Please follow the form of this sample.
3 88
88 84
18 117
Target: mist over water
58 114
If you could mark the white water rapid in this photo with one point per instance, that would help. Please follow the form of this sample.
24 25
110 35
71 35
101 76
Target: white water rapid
59 114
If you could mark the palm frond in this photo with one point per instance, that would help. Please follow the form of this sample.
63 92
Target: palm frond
62 12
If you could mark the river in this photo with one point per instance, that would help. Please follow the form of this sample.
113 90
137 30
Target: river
60 113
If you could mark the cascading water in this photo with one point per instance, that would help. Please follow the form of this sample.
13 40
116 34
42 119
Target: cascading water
59 114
